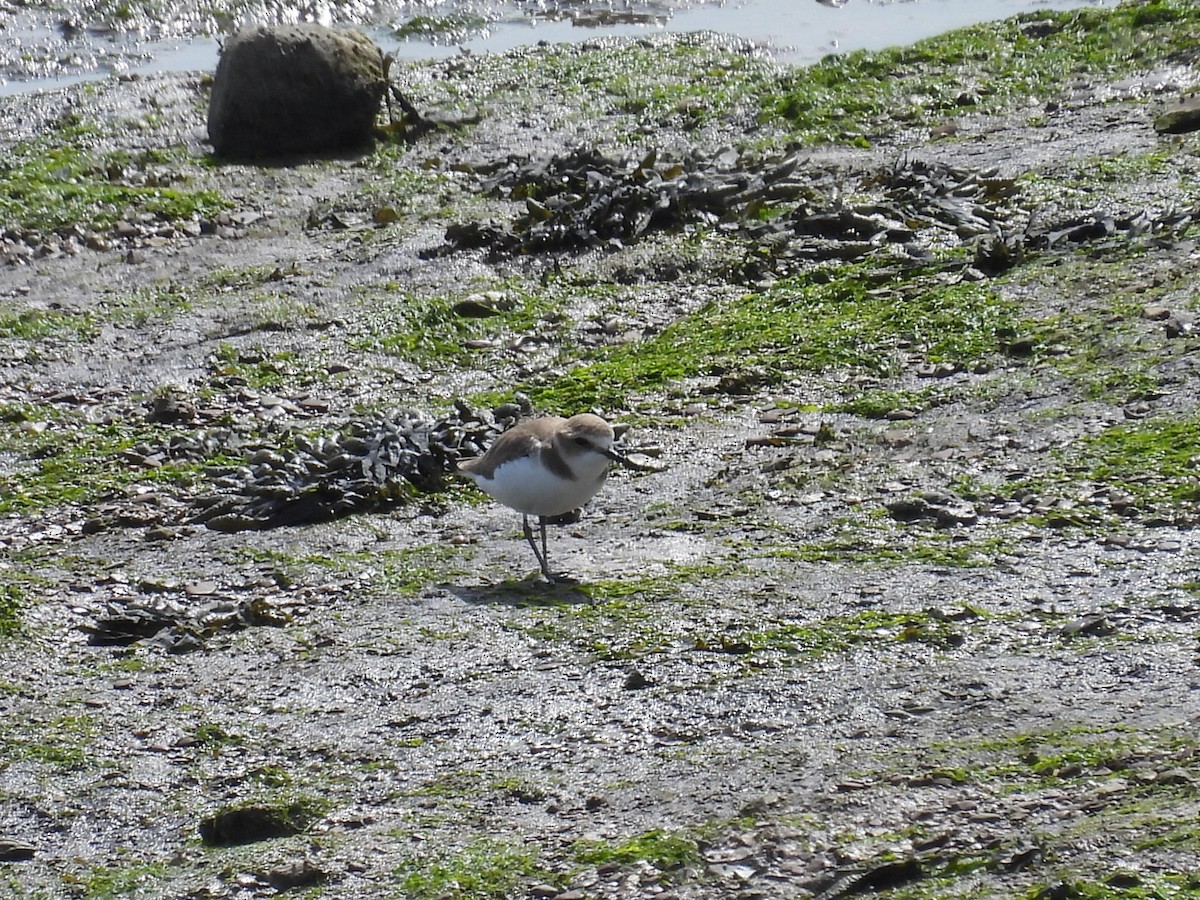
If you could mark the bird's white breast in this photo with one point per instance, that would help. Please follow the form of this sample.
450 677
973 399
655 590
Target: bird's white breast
527 486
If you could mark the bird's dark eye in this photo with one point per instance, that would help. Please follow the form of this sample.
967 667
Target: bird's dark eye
581 442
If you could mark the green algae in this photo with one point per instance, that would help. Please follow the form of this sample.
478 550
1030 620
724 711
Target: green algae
667 851
854 318
485 869
987 68
61 180
1143 471
58 458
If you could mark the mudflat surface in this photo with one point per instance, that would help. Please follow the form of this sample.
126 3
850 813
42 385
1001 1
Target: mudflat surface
925 627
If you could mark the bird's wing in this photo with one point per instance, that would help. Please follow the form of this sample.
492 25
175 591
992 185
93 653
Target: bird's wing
508 446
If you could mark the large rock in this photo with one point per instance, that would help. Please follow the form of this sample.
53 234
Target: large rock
295 89
1181 118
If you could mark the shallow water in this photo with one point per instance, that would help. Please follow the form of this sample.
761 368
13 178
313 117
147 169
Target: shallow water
43 48
798 31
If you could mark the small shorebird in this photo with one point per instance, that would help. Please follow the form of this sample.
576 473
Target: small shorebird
546 467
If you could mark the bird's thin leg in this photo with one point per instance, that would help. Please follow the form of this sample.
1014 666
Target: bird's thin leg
540 553
529 539
545 554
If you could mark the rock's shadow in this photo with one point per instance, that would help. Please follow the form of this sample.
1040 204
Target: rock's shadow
530 591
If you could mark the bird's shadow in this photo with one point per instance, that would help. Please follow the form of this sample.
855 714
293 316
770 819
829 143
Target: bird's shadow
529 591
